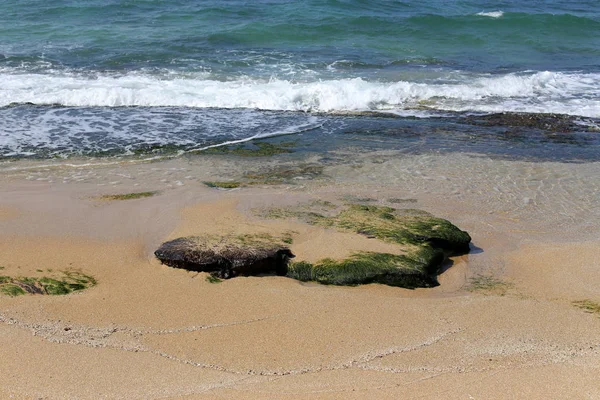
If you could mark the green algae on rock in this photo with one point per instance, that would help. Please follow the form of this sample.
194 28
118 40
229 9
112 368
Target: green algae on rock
425 240
70 281
252 149
588 306
228 256
128 196
284 174
222 184
403 226
417 269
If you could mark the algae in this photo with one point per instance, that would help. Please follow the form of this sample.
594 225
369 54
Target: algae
12 290
488 284
252 149
69 281
356 199
405 227
401 201
128 196
425 240
222 185
417 269
213 279
588 306
284 174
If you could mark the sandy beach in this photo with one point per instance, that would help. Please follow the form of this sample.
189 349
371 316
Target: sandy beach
502 324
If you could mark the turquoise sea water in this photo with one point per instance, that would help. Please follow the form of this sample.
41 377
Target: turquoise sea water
87 77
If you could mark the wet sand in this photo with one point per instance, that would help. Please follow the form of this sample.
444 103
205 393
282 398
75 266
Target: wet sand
150 331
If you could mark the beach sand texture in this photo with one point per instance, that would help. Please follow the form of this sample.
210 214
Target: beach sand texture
502 324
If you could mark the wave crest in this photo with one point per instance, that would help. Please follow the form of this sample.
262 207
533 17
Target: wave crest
491 14
533 92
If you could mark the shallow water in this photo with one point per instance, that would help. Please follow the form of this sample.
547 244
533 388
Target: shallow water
110 77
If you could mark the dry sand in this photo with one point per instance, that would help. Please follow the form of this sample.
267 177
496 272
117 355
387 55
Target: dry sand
148 331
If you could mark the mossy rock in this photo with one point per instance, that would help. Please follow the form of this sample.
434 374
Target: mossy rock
425 240
228 256
405 226
545 122
418 269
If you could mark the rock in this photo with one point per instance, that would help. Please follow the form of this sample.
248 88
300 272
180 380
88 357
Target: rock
227 256
545 122
416 269
424 243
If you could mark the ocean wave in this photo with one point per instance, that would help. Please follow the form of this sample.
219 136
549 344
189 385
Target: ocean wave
491 14
557 92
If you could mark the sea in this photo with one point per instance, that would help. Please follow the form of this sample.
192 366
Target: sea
108 78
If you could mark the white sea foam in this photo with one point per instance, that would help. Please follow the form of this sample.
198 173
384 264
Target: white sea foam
569 93
491 14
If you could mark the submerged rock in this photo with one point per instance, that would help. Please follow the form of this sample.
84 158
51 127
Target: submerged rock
545 122
227 256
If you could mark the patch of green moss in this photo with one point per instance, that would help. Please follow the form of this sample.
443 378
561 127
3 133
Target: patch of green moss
401 201
388 224
324 204
68 282
417 269
128 196
488 284
258 240
301 270
222 185
252 149
12 290
588 306
213 279
284 174
1 267
425 239
356 199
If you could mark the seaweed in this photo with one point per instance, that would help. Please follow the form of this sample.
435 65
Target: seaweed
70 281
405 227
425 240
418 269
128 196
252 149
588 306
488 284
12 290
284 174
222 185
213 279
